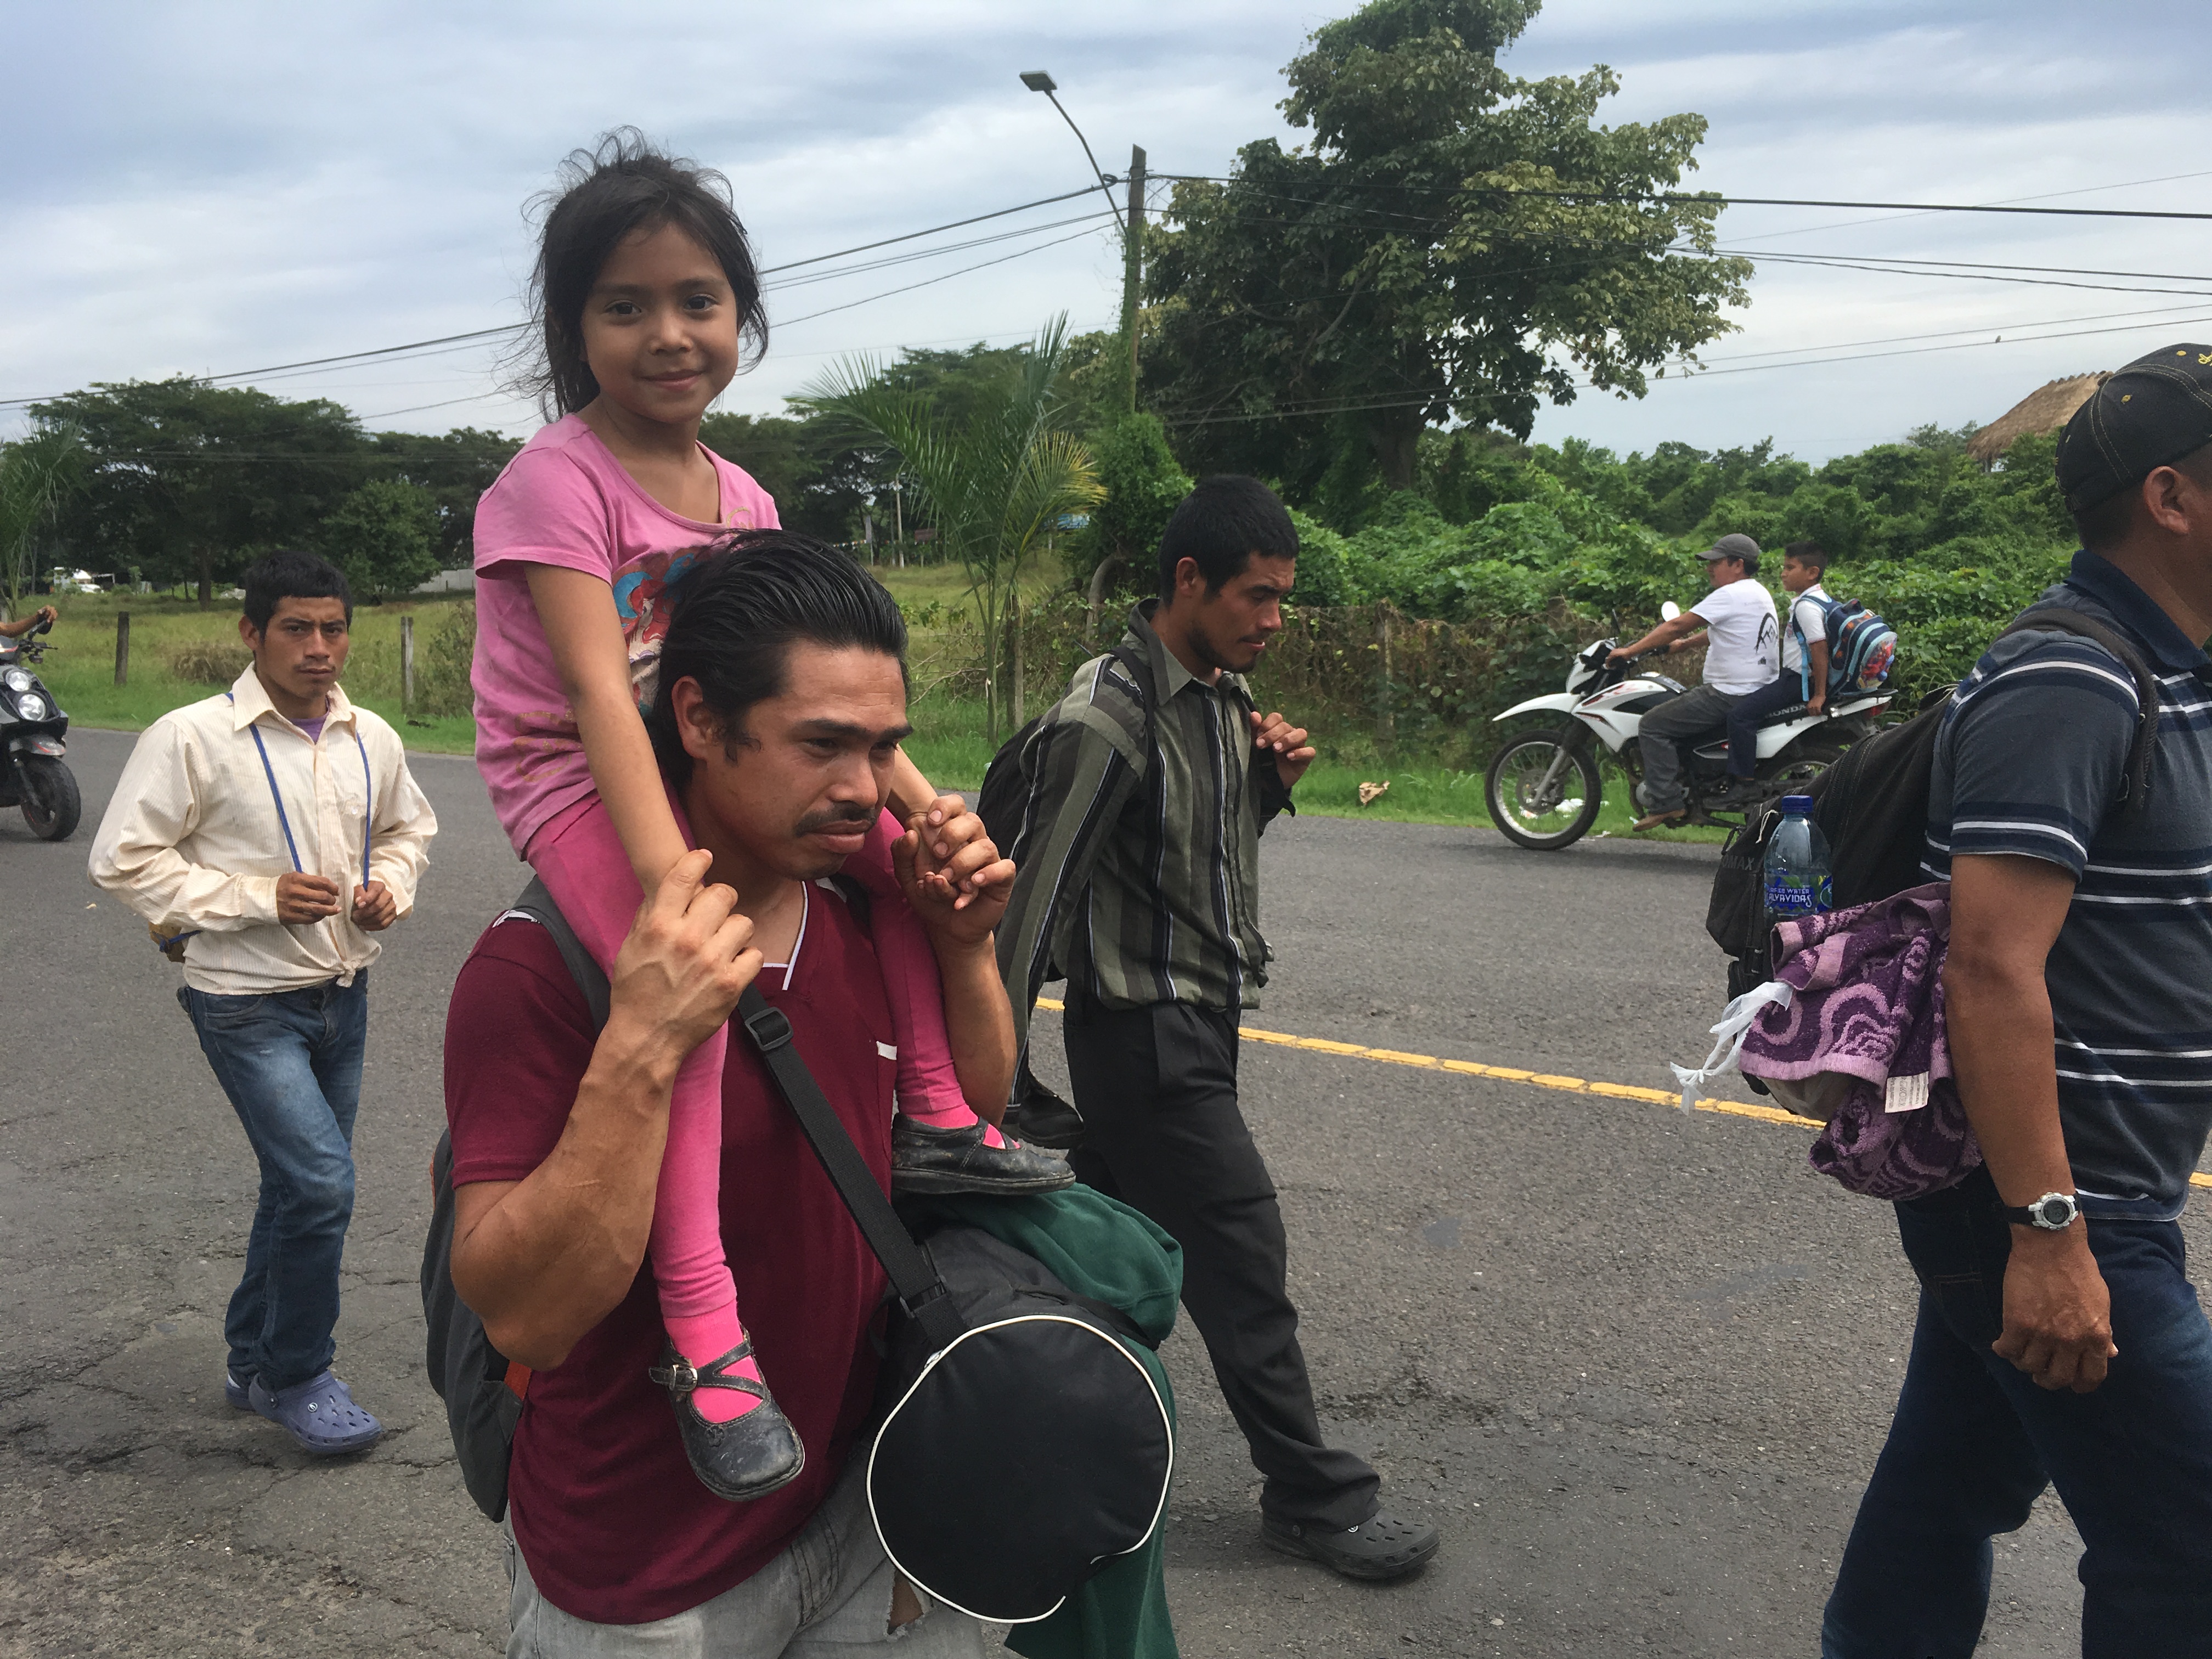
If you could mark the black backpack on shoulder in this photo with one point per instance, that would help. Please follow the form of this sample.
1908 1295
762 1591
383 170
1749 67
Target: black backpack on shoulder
1036 1112
1872 807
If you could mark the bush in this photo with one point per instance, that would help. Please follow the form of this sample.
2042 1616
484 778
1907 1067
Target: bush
209 662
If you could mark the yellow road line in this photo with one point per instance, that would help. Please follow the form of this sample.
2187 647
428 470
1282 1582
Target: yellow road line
1573 1086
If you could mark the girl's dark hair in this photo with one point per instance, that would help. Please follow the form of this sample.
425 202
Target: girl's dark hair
623 185
287 573
737 613
1222 522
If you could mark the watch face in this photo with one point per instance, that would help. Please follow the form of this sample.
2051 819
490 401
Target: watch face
2056 1211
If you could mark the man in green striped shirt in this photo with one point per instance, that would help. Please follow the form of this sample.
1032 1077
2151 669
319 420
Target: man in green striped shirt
1149 786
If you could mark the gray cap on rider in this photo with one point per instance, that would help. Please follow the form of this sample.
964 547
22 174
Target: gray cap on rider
1734 545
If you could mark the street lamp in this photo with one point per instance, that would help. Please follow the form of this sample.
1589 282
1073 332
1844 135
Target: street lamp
1038 80
1132 229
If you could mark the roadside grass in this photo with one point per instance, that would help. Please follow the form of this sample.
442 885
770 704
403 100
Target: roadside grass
949 745
80 666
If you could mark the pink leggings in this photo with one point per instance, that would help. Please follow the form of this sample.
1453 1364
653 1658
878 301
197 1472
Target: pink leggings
582 863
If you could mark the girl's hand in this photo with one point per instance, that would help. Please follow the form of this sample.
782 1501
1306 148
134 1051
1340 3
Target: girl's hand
953 874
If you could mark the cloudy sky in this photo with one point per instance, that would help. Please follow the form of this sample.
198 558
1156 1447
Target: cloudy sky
219 187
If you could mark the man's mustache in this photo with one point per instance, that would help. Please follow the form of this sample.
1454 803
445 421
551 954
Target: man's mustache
830 817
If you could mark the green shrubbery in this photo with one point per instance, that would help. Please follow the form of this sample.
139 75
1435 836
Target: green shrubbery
1944 549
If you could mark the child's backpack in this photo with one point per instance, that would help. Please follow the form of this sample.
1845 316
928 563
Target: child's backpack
1871 806
1862 646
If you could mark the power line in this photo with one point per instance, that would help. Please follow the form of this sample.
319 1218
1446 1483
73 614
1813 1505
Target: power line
1715 199
512 328
1354 406
928 282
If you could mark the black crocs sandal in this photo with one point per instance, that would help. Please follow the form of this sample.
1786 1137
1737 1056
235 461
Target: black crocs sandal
747 1458
1378 1548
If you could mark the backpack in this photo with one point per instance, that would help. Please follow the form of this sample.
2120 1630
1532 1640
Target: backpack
1003 801
986 1355
1872 808
1036 1112
1862 646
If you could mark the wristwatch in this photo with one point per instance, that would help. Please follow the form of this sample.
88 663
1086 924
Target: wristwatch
2054 1212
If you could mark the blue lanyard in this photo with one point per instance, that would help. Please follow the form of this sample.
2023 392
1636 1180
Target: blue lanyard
283 823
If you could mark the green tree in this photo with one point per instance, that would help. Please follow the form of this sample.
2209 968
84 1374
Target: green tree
188 481
1408 266
996 477
38 474
1143 486
383 537
819 484
456 468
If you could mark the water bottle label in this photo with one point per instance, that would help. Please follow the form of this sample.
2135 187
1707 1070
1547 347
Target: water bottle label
1795 895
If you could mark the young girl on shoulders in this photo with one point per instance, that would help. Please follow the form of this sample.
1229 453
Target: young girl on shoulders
647 298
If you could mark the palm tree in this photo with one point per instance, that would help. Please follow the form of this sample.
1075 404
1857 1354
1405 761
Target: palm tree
994 487
36 473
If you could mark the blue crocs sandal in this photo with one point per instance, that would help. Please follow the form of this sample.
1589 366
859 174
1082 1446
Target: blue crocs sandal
319 1413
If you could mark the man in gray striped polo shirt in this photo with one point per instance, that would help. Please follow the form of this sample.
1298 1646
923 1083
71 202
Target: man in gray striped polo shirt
2059 1339
1140 881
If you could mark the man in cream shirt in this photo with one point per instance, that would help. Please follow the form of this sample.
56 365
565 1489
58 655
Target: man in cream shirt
1738 614
268 834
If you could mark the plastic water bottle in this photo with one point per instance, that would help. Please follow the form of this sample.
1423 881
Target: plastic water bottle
1799 881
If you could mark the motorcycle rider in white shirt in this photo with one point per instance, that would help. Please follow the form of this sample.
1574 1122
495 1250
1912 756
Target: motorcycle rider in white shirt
1738 616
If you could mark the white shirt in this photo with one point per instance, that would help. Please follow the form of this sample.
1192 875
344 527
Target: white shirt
1806 614
192 839
1740 616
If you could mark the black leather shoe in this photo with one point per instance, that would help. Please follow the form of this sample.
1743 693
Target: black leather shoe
1380 1547
930 1160
747 1458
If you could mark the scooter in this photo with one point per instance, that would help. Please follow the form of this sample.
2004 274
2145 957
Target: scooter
1543 788
33 773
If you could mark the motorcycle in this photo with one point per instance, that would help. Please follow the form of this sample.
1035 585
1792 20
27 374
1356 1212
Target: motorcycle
1543 788
33 773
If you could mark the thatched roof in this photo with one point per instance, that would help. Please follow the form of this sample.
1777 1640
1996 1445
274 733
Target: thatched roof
2045 409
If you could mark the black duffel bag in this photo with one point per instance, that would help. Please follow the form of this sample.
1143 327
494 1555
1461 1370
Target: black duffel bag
1025 1449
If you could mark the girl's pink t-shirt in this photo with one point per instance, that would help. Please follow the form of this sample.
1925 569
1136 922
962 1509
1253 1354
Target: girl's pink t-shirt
565 499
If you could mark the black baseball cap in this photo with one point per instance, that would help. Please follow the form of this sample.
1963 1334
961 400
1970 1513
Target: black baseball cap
1734 545
2146 416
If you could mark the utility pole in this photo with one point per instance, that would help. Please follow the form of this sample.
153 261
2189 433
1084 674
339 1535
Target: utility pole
1132 262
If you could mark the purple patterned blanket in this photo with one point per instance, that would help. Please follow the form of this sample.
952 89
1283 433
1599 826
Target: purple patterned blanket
1866 1025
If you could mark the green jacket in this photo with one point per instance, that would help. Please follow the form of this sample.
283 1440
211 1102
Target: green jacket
1105 1250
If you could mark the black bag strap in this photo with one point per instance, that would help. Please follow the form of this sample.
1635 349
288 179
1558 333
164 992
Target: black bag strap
920 1290
535 901
2134 778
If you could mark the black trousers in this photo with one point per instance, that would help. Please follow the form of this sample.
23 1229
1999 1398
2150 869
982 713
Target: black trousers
1157 1090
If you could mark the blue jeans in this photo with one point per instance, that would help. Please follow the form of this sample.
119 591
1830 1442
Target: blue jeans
1975 1441
290 1062
1748 710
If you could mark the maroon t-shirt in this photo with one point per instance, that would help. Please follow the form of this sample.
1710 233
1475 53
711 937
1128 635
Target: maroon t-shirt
615 1527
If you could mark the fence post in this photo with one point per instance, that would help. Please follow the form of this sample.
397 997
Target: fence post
1385 726
406 667
122 646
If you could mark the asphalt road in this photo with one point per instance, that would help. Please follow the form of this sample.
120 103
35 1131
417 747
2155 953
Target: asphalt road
1636 1365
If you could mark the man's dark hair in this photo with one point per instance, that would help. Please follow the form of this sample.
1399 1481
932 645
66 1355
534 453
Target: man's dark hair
2105 523
1222 521
738 612
625 184
1807 553
290 575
